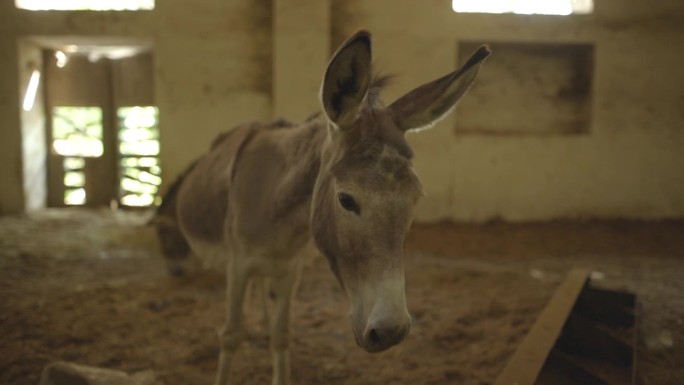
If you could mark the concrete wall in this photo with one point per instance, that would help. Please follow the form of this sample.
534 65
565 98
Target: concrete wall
224 62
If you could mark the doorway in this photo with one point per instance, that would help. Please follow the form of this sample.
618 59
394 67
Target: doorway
102 127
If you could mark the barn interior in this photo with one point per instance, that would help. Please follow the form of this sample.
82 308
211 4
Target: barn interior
566 153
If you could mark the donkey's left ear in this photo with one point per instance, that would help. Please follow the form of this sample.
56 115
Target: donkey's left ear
427 104
347 79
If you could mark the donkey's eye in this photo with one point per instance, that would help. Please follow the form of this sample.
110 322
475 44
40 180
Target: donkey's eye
348 203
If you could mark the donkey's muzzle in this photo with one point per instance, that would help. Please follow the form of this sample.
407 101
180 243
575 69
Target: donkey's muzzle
380 336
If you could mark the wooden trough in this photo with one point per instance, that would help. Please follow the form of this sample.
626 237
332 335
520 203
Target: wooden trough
585 335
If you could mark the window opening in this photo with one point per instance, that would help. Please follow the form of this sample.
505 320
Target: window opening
77 131
85 5
140 168
74 181
524 7
76 135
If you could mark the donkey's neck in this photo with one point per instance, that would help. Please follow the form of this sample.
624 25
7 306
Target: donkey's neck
301 147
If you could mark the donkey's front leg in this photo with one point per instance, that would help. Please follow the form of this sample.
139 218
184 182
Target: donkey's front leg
233 332
283 288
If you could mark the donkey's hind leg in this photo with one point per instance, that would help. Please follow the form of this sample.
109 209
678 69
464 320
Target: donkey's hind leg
233 332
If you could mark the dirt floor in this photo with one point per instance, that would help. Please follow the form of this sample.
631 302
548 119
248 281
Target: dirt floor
90 287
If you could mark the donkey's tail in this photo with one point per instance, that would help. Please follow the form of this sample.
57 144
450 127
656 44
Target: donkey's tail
173 244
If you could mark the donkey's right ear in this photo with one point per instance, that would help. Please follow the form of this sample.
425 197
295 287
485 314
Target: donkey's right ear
427 104
347 79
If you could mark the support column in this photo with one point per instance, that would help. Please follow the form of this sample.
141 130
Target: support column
11 192
301 50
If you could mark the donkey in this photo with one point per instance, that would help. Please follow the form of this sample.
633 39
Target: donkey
263 191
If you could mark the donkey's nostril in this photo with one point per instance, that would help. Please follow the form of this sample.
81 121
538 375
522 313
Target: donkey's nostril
381 337
373 337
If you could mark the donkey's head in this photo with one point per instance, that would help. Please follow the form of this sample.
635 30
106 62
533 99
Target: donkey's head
366 189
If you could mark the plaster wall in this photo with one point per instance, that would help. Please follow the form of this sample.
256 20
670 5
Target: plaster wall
629 163
212 70
224 62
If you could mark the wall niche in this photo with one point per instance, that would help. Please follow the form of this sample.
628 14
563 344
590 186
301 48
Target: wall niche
529 89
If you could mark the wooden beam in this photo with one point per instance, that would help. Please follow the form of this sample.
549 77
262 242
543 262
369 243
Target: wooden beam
527 362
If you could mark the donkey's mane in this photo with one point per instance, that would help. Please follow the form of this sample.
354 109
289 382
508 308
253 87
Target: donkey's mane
379 83
167 206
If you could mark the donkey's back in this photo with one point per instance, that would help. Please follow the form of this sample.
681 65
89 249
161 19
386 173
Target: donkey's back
202 202
246 190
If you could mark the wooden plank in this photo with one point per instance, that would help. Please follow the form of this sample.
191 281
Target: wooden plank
562 369
583 337
527 361
607 307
